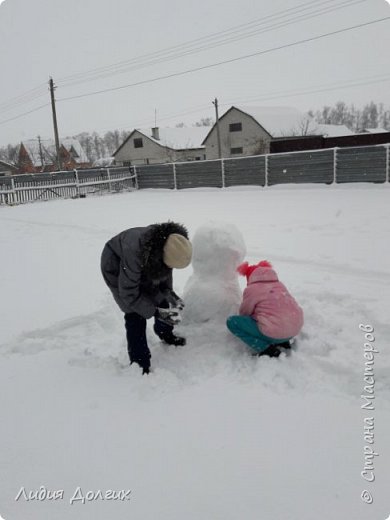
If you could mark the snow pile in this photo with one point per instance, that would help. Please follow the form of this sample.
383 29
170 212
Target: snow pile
213 433
212 293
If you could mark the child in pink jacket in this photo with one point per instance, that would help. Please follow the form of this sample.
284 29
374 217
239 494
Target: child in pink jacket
269 315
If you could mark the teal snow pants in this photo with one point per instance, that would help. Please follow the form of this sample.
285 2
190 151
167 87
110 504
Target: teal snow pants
246 328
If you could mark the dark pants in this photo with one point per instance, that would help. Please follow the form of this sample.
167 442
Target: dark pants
137 345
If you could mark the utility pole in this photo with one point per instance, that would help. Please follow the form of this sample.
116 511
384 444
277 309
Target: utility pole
215 103
53 108
41 153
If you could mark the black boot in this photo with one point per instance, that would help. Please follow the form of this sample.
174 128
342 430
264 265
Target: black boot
271 351
165 333
169 337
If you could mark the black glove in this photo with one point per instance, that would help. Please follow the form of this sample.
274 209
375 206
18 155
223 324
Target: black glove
170 316
174 300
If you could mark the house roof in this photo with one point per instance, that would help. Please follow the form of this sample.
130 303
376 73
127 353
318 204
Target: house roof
286 121
180 138
5 165
69 143
173 138
376 130
34 152
277 121
49 150
332 130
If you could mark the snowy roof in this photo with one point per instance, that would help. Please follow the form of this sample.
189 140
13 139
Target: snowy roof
331 130
179 138
70 143
287 121
48 150
376 130
277 121
34 151
103 162
4 166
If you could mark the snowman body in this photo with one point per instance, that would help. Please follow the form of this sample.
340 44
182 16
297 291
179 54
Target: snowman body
212 293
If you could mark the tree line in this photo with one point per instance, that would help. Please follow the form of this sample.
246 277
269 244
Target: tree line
372 115
96 146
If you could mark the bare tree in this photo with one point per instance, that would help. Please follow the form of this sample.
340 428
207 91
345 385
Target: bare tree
205 121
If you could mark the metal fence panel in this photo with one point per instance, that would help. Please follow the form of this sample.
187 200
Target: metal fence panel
199 174
245 171
303 167
155 176
363 164
353 164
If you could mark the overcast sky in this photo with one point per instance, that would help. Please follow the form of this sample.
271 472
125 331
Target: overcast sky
42 38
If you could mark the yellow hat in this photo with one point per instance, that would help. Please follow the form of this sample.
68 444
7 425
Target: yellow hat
177 251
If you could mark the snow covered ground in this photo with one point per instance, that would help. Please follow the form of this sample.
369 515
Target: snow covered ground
213 433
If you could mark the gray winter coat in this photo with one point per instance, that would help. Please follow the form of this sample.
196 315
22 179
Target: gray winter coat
133 268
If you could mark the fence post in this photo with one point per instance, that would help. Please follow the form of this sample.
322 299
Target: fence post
136 176
13 198
335 165
387 161
174 176
223 173
76 176
266 170
109 179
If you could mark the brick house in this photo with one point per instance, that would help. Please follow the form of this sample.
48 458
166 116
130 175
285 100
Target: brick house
36 156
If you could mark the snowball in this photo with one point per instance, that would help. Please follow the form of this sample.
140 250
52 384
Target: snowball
212 293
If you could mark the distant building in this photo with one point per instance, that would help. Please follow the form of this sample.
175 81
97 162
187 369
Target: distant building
7 169
250 130
374 131
331 130
162 145
35 156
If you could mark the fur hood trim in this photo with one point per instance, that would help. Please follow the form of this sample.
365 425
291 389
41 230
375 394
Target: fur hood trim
153 247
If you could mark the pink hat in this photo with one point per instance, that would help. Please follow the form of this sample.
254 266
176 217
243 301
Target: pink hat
246 270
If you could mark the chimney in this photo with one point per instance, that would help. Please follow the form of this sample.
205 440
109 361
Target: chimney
156 133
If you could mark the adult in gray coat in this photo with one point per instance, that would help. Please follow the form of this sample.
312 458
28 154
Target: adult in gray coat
137 267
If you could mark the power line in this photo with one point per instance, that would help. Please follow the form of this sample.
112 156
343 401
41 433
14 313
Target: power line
24 114
164 56
265 97
110 70
224 62
279 95
102 72
27 97
185 44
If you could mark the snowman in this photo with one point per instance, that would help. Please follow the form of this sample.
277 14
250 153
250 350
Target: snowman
212 293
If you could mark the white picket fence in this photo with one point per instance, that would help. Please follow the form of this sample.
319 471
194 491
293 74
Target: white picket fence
22 189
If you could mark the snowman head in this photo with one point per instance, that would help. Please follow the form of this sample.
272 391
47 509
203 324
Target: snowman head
218 248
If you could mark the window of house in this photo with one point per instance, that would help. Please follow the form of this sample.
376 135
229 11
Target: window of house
138 143
126 163
235 127
236 150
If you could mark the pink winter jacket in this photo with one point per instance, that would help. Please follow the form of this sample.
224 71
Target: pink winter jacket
268 301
